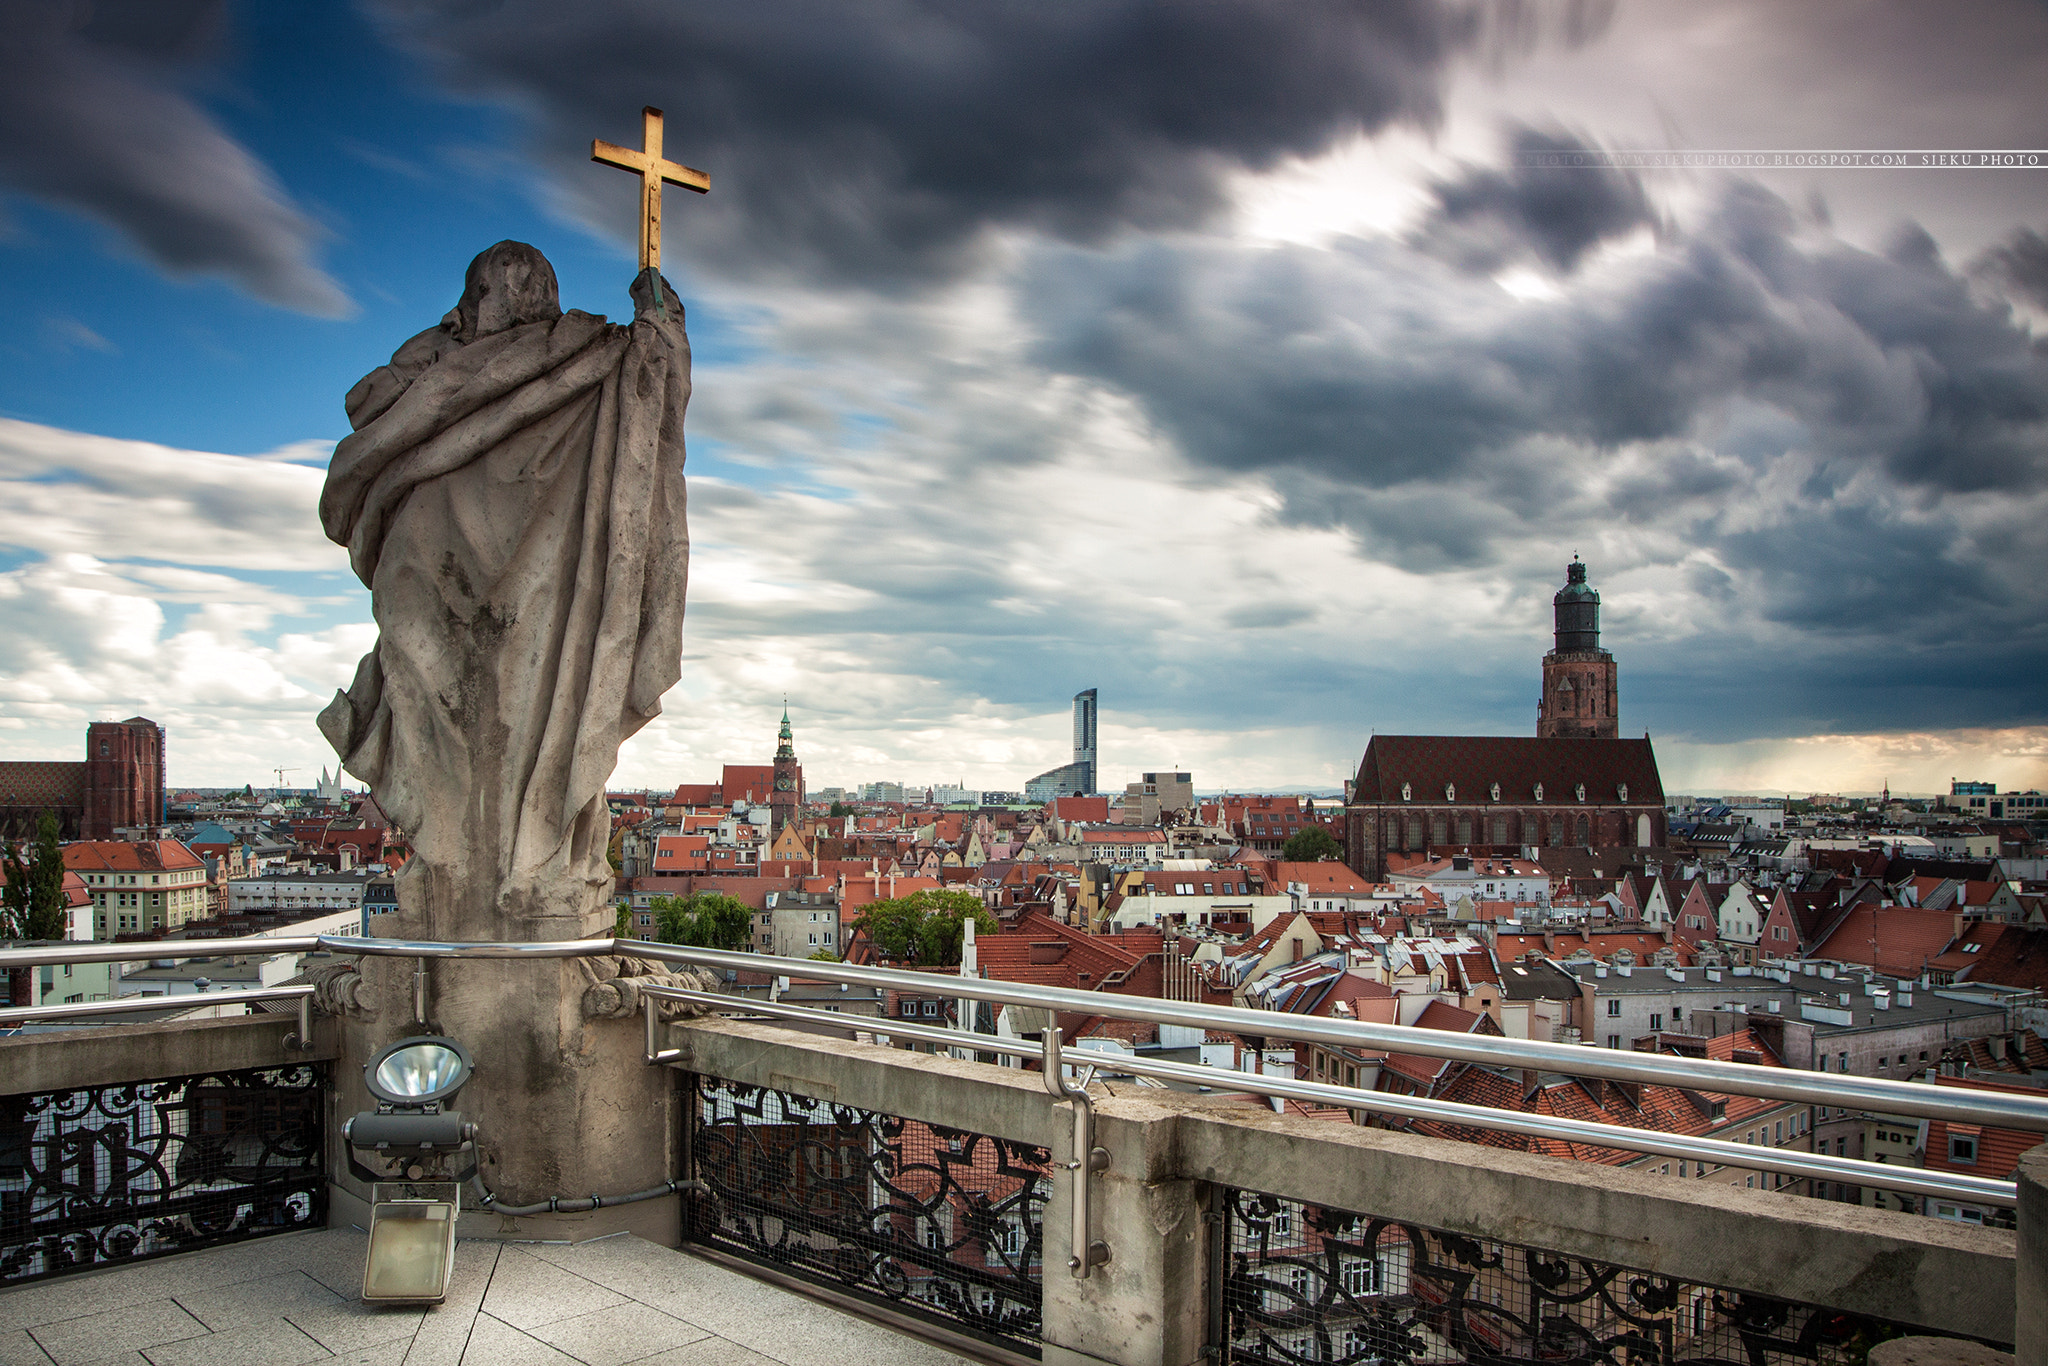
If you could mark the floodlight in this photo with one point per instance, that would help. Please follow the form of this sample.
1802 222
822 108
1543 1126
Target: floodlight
412 1130
418 1072
412 1252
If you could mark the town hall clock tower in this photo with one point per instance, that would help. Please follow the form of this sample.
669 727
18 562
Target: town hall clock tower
788 797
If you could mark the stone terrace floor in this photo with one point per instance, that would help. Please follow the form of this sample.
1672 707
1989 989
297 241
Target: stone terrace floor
293 1298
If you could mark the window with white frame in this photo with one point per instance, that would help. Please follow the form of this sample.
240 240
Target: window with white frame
1362 1277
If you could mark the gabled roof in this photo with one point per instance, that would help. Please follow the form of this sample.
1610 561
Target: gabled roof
1328 878
1900 940
1664 1109
1998 1150
123 856
2015 957
1471 764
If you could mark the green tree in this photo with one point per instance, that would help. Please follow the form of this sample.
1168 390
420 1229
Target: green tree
821 956
703 920
1311 844
841 810
34 903
622 923
927 928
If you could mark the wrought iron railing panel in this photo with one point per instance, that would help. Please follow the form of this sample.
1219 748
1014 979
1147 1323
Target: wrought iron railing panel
1303 1283
941 1223
109 1174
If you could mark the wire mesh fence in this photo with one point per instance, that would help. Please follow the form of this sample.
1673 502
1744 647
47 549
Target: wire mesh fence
108 1174
944 1224
1303 1283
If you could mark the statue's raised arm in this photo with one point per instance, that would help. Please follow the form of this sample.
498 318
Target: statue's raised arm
513 496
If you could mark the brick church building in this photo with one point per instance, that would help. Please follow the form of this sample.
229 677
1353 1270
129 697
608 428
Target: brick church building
120 784
1576 782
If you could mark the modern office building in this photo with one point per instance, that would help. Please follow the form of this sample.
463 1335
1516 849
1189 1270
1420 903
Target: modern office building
1076 779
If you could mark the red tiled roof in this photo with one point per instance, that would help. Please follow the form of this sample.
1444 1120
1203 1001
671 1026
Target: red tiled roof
2016 957
122 856
1900 940
53 783
1473 763
1328 878
754 782
1664 1109
1998 1150
1080 808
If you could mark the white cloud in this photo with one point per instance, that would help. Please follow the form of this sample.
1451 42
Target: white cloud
1910 763
70 491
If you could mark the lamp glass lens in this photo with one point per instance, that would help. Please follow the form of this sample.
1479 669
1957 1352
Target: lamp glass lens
425 1069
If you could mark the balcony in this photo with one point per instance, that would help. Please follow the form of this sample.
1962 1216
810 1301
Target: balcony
831 1194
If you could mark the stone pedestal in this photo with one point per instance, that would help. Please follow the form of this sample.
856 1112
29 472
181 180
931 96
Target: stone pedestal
2030 1264
565 1105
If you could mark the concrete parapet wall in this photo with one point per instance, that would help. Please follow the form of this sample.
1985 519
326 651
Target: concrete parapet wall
1937 1274
103 1055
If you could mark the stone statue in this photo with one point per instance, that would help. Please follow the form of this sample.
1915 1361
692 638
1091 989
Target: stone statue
512 494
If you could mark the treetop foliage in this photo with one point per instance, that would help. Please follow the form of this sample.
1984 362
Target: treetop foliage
33 907
1311 844
927 928
703 920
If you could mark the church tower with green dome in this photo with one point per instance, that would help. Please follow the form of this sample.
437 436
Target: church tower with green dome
1579 696
788 798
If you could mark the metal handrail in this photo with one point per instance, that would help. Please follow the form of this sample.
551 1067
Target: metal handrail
1724 1078
1721 1152
126 1005
91 951
1694 1074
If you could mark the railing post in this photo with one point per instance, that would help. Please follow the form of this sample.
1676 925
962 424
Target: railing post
1146 1304
2030 1265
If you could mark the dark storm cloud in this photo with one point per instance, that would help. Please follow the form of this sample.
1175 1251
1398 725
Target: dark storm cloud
90 119
876 142
1486 219
2021 265
1842 454
1373 366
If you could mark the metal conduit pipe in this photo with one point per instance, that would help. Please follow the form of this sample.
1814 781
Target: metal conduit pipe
555 1204
1720 1152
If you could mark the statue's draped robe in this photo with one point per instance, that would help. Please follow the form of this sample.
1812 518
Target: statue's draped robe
515 504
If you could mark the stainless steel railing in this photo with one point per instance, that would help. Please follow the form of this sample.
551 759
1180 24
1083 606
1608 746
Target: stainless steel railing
1719 1152
1958 1105
196 1000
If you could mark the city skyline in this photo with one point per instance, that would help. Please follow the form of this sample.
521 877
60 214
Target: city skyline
1271 404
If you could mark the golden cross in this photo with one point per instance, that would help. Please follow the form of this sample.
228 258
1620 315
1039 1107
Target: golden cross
652 170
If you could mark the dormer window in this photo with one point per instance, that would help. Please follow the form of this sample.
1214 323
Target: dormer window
1539 792
1496 791
1582 791
1621 792
1450 792
1407 792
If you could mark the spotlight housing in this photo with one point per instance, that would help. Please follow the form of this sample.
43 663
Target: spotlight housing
420 1073
412 1241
